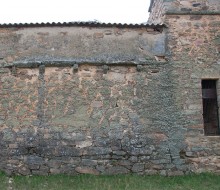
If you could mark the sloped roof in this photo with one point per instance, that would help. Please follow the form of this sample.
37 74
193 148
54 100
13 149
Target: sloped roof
82 24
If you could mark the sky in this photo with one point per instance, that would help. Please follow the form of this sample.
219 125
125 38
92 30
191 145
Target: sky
113 11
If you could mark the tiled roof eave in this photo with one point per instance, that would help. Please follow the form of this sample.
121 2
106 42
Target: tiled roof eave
81 24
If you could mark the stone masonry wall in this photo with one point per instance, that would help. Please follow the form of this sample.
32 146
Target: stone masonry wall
91 100
194 47
80 44
108 100
157 12
160 8
54 120
191 5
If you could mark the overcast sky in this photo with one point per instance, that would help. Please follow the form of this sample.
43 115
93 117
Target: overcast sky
119 11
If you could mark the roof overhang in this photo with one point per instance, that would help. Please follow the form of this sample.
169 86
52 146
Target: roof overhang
82 24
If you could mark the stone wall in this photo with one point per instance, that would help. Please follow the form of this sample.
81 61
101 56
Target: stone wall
54 120
191 5
193 50
194 47
105 113
80 44
109 100
160 8
156 12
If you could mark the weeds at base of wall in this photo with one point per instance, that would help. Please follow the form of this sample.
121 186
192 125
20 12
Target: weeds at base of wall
128 182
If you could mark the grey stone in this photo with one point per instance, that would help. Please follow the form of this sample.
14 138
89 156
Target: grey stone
189 154
54 163
87 170
100 168
161 161
97 151
119 153
175 173
150 172
35 160
39 172
88 162
138 167
141 151
133 159
163 172
55 171
116 170
24 171
68 151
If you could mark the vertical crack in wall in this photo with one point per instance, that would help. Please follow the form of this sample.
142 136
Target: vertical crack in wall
41 95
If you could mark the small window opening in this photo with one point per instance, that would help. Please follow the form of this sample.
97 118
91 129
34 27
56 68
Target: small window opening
210 107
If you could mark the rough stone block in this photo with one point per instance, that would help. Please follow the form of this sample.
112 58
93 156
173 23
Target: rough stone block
88 162
87 170
24 171
175 173
116 170
138 167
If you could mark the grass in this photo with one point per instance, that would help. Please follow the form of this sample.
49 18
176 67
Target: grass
117 182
